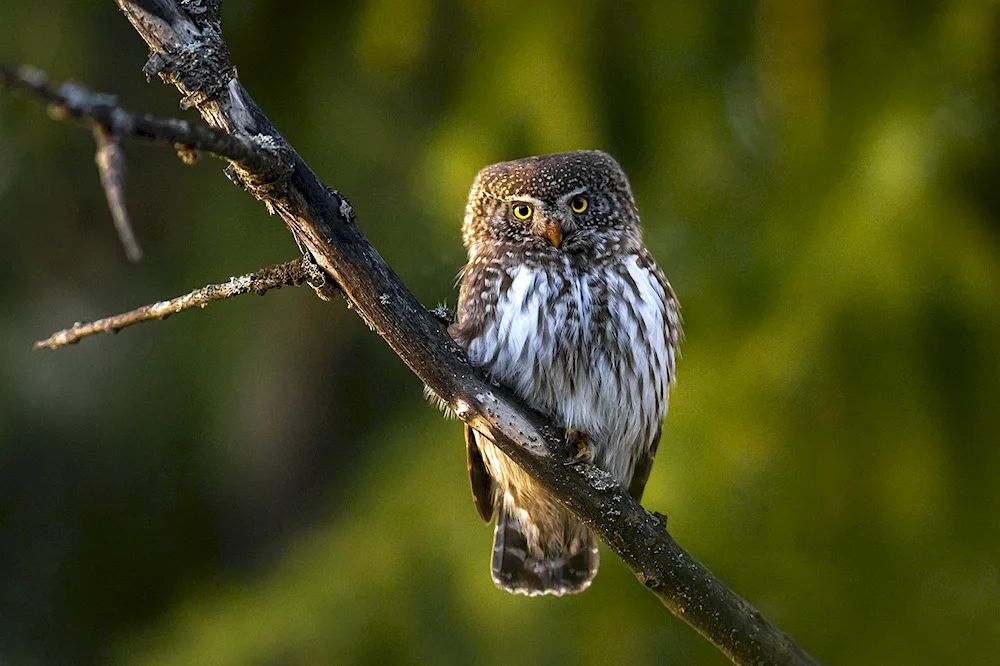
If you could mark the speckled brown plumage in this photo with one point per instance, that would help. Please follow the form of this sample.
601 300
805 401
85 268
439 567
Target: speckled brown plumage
567 308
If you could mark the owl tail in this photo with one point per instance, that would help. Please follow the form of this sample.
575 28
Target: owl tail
564 566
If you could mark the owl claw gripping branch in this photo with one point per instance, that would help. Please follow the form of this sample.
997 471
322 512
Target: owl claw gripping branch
580 451
562 303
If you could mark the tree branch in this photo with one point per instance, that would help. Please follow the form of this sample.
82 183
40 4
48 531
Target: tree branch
110 122
110 160
292 273
187 51
72 101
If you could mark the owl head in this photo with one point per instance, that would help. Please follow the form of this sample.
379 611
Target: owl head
578 202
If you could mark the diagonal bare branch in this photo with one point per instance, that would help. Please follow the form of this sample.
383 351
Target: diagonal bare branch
292 273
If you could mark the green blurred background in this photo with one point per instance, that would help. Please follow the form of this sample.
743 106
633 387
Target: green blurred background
261 482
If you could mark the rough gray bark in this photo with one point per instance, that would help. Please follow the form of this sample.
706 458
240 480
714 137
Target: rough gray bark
187 51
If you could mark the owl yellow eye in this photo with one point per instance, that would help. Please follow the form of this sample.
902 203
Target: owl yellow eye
578 203
522 211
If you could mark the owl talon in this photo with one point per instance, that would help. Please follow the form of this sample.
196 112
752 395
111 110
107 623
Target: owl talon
578 445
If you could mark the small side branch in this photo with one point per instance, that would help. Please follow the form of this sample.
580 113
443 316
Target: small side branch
259 155
291 273
110 160
72 101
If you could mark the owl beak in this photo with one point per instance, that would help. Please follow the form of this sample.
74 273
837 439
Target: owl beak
553 231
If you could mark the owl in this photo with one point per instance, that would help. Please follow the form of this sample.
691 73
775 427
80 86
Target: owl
562 303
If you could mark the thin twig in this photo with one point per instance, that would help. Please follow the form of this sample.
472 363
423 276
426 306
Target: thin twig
110 160
291 273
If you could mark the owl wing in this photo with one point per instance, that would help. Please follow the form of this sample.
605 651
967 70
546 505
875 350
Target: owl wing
470 321
672 334
643 467
483 488
671 313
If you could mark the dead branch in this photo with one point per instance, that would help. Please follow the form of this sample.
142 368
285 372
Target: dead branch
187 51
72 101
292 273
110 160
111 122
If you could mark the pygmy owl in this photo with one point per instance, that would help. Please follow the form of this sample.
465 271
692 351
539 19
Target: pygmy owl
562 303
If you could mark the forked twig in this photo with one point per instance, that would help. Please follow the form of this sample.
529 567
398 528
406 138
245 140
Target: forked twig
72 101
111 122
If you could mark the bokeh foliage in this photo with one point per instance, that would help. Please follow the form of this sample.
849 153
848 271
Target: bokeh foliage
261 483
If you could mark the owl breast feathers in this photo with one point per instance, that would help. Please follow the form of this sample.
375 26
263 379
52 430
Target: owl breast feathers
562 303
